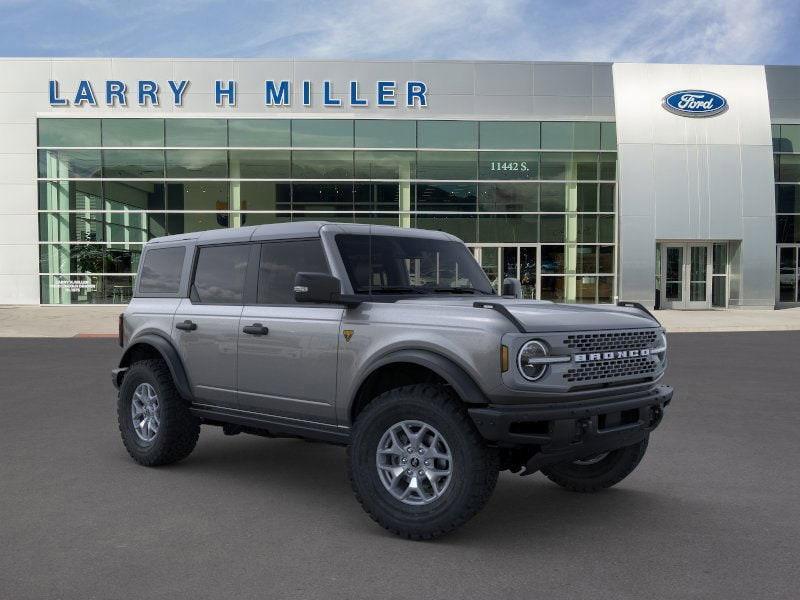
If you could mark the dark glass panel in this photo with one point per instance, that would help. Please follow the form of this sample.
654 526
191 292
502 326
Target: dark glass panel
790 138
65 133
384 133
553 259
587 136
605 228
587 259
509 197
322 133
787 198
146 164
605 261
199 164
605 289
587 197
553 197
322 164
447 134
556 165
134 195
720 261
558 135
447 165
789 170
553 289
460 197
258 133
608 166
63 164
608 136
552 228
260 164
508 228
606 197
133 132
461 226
509 165
585 289
587 228
509 134
196 132
787 230
586 166
322 196
281 262
219 274
380 197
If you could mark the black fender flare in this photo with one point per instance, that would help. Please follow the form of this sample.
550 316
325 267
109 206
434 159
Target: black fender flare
461 382
170 355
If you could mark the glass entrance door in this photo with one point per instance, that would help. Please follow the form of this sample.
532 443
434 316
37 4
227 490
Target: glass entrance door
788 274
686 275
517 261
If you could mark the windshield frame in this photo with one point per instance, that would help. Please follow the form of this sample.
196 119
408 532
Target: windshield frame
477 283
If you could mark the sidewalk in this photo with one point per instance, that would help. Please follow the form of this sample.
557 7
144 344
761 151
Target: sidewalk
101 321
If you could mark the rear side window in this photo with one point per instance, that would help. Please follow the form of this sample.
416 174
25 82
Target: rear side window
161 270
220 273
281 261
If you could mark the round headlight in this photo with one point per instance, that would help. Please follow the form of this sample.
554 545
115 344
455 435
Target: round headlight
527 362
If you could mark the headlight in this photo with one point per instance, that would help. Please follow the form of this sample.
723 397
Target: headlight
661 347
528 360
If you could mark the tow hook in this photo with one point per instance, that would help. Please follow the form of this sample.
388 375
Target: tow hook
581 427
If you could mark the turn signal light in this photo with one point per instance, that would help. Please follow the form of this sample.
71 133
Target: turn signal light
504 358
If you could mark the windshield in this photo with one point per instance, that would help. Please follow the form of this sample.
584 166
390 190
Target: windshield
386 264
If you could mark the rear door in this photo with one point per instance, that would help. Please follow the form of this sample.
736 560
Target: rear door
288 351
206 325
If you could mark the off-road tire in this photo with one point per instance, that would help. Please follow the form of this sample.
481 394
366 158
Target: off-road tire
178 429
475 465
595 477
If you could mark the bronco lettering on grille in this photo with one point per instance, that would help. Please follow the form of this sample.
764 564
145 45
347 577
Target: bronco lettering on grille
611 355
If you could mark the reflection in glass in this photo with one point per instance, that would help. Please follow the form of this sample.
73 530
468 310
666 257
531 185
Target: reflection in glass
63 164
463 227
323 197
461 197
508 197
257 133
199 164
65 133
383 133
196 132
133 132
527 272
447 134
322 164
322 133
148 164
260 164
382 164
516 228
503 135
447 165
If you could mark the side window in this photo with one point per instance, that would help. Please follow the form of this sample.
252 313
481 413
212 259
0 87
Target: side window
161 270
220 273
281 261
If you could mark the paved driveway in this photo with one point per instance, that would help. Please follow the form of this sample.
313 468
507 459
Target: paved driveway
712 512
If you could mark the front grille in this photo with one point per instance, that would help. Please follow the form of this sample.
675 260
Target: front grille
610 369
603 370
612 340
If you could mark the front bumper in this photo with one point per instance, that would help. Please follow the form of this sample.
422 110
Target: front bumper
559 432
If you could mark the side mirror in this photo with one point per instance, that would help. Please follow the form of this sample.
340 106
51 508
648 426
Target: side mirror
512 287
317 287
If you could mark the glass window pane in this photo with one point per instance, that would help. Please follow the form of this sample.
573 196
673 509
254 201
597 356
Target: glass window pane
219 274
789 170
463 227
381 197
605 261
127 227
787 198
509 134
553 289
586 259
608 136
133 132
608 166
587 197
788 261
605 228
553 259
380 133
718 291
257 133
64 133
787 230
720 259
196 132
509 197
197 195
197 164
605 289
263 195
556 165
133 163
322 133
606 197
587 228
447 165
193 222
70 195
509 165
123 258
134 195
281 262
260 164
161 270
86 289
585 289
385 164
242 219
447 134
585 166
552 228
558 135
776 135
322 164
62 164
322 197
553 197
790 138
517 228
461 197
587 136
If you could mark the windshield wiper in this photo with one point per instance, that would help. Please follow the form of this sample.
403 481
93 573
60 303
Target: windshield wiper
461 290
390 289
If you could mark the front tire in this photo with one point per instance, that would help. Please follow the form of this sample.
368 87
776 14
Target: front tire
595 473
417 464
154 420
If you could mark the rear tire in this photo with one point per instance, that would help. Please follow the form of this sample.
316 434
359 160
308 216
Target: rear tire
593 474
154 420
387 438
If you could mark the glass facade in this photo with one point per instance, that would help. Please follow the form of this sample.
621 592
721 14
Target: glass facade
534 200
786 148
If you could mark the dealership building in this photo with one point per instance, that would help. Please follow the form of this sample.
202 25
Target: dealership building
676 185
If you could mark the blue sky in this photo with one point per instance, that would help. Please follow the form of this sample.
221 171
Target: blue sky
712 31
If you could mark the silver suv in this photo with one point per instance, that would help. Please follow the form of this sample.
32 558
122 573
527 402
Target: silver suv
394 343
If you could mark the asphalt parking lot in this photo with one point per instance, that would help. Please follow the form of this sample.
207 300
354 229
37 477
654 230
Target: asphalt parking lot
712 512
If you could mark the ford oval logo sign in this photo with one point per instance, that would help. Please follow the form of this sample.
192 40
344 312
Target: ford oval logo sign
695 103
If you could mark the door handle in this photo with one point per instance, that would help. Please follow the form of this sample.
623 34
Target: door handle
187 325
255 329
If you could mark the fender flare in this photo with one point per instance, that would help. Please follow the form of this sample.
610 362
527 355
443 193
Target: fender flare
461 382
167 351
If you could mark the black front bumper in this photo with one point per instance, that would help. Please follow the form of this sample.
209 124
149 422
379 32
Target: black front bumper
559 432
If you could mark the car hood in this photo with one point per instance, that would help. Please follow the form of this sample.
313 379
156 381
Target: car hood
538 316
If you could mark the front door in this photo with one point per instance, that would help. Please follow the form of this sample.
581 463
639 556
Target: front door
686 275
287 355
